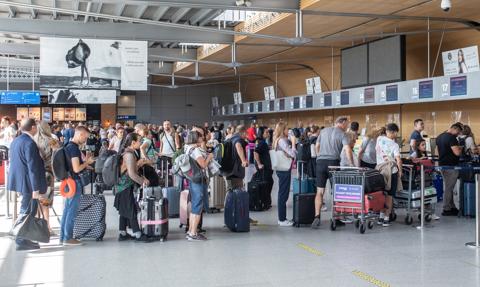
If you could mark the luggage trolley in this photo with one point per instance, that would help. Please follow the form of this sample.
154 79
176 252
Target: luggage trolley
348 200
409 197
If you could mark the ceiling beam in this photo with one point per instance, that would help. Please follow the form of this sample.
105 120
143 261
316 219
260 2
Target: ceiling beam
54 12
179 14
75 6
154 68
89 6
199 16
140 11
288 6
210 17
99 9
32 11
120 31
11 12
161 10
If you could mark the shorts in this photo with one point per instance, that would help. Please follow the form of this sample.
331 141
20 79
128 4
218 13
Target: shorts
322 172
393 185
197 197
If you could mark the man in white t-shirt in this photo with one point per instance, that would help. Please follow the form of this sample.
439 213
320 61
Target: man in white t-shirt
388 150
117 140
168 140
7 132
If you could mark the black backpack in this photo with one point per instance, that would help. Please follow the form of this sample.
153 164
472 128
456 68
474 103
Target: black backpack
61 167
227 162
111 169
303 151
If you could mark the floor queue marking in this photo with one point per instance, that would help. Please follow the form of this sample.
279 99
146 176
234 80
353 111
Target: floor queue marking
310 249
370 278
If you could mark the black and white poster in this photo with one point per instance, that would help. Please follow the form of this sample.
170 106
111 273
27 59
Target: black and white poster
67 96
314 85
93 64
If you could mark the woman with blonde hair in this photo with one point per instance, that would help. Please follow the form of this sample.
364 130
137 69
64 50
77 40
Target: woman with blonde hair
46 145
281 143
367 156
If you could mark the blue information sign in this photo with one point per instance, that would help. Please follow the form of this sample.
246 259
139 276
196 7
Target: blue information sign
392 93
425 89
458 86
348 193
126 118
20 97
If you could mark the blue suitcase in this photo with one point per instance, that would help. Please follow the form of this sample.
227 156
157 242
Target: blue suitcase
236 211
469 199
172 194
307 185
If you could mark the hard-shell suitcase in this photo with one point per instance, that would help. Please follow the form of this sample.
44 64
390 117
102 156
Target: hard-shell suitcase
165 177
303 208
374 202
236 214
173 196
469 199
307 185
153 218
152 191
90 220
258 193
217 191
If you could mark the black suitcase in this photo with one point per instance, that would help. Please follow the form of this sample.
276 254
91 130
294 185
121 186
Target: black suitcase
374 181
258 193
90 220
303 208
154 218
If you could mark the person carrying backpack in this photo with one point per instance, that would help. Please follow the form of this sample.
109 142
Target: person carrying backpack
124 198
169 143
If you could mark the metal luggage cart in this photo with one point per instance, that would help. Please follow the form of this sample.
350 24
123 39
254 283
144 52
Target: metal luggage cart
348 200
410 199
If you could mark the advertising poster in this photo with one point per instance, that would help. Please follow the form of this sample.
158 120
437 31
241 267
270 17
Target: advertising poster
35 113
68 96
69 114
237 98
58 114
269 93
47 114
460 61
81 114
314 86
22 113
93 64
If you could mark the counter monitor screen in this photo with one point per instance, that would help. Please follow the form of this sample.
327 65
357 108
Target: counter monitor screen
241 108
282 104
259 107
392 93
458 86
251 108
369 96
296 103
235 109
344 98
271 105
327 100
425 89
309 102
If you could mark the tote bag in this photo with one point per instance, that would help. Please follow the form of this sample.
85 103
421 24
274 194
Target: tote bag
280 161
32 228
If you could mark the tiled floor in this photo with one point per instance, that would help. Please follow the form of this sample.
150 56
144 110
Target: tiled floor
399 255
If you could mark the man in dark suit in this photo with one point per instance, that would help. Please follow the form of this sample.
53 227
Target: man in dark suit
27 175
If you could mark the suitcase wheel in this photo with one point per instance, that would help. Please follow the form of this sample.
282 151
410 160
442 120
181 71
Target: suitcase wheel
370 224
362 228
333 226
409 220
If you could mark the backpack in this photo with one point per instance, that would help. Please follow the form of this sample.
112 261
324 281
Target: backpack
181 164
61 168
303 151
218 152
186 166
227 161
111 170
100 162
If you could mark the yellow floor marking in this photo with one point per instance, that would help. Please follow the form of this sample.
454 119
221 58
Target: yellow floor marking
370 278
310 249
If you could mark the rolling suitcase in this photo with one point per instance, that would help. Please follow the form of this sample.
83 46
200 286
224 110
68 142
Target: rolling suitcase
153 218
165 177
217 191
305 185
90 220
258 193
172 194
469 199
303 208
374 202
236 213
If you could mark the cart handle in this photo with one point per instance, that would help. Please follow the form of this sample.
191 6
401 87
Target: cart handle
348 167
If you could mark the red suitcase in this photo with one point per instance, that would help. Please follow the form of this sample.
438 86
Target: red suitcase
184 207
374 202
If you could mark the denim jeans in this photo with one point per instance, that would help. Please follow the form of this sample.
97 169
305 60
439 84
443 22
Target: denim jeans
70 213
197 195
284 179
25 209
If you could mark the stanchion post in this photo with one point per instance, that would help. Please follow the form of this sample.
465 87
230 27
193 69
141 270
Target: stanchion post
7 192
476 243
422 197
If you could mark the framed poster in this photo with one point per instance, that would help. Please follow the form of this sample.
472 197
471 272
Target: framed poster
34 113
58 114
47 114
22 113
69 114
81 114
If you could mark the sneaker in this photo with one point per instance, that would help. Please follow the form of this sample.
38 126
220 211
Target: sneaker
452 212
435 217
201 230
202 236
253 222
285 223
144 238
386 222
324 207
125 237
72 242
195 237
380 221
316 223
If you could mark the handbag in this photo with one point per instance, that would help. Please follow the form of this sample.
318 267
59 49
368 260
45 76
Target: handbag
31 227
280 161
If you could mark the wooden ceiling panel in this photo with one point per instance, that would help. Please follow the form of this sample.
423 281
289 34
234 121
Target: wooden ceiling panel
363 6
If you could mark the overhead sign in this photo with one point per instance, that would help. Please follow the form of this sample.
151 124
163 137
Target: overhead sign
269 93
20 97
237 98
126 118
93 64
314 85
460 61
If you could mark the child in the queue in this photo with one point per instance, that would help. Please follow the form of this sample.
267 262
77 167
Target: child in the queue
124 198
419 152
198 188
